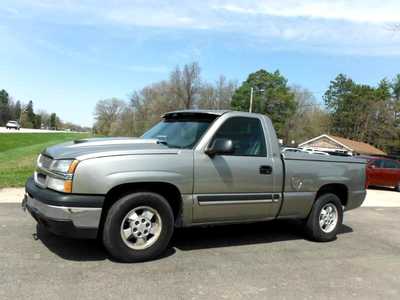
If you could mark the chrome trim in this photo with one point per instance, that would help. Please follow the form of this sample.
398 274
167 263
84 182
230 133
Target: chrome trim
235 202
54 174
81 217
236 198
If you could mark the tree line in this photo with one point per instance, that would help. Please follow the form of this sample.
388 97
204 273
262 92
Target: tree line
365 113
185 89
28 118
357 111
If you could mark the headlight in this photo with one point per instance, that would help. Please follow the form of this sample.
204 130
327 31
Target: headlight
66 169
57 184
64 166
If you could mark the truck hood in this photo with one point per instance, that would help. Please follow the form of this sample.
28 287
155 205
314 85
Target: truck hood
100 147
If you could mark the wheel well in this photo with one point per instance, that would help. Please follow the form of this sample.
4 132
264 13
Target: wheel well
169 191
338 189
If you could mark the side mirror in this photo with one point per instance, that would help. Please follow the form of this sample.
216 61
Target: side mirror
220 146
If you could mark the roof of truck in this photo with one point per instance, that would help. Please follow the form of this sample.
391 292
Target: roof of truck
198 111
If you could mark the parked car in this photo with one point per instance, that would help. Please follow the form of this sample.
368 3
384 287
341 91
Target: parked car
192 168
289 149
383 172
312 151
13 125
338 153
318 152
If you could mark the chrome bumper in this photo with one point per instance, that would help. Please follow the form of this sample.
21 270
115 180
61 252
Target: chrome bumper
81 217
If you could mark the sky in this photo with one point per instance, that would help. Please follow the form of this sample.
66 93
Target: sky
65 55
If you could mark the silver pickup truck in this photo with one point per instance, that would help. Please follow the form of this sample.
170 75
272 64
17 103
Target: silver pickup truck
192 168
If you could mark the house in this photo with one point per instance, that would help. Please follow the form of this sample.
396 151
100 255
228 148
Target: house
330 143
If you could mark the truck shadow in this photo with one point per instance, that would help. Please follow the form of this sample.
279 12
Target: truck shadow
186 239
195 238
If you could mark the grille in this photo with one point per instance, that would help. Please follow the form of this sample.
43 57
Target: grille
44 162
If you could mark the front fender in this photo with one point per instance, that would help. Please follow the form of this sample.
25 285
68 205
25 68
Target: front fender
99 175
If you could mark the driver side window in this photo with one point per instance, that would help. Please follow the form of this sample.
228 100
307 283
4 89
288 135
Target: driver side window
246 134
378 163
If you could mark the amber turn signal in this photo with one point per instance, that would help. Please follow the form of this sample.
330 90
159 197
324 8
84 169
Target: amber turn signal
72 167
68 186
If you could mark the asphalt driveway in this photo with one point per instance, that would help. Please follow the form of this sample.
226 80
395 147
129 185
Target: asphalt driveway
266 260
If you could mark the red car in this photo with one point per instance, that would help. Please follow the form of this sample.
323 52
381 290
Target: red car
383 172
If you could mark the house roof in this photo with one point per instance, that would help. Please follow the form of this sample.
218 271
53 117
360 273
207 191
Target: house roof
359 147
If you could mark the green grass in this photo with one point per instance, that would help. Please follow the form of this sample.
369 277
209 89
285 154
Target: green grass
18 153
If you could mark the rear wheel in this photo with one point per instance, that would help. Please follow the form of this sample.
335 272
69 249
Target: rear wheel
325 218
138 227
397 188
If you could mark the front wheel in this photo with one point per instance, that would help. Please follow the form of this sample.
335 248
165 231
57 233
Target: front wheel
325 218
138 227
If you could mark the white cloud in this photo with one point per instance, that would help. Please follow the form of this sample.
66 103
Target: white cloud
373 11
340 26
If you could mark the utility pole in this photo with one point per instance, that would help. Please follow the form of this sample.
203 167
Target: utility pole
251 99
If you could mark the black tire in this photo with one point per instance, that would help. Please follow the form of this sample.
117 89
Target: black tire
313 228
112 239
397 187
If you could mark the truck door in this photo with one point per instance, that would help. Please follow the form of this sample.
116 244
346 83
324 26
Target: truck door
243 185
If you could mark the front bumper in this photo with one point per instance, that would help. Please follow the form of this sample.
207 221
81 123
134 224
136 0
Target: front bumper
69 215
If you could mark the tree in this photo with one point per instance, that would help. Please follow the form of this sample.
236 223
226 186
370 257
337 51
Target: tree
395 86
191 83
224 92
5 113
45 118
309 120
362 112
37 122
216 96
17 110
106 113
53 121
30 112
175 88
207 97
272 97
24 119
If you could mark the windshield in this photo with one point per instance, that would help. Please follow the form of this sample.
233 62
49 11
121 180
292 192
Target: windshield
180 132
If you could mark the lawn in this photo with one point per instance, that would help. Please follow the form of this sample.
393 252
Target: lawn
18 153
